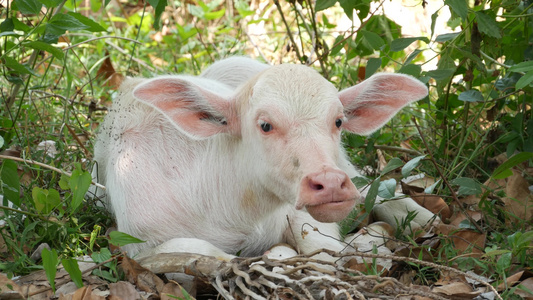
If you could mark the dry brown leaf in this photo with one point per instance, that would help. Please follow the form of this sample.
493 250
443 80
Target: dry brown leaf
526 284
9 289
510 281
107 73
141 277
85 293
466 240
123 290
433 203
171 290
519 200
453 288
460 216
364 267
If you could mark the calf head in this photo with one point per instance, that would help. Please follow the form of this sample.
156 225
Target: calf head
288 122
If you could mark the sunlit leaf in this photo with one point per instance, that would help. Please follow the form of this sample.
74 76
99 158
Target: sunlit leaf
118 238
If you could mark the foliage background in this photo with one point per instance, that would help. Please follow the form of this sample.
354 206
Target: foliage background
61 62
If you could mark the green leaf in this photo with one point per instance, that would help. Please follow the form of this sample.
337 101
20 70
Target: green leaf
28 7
413 70
7 25
410 165
90 24
45 200
387 188
402 43
17 67
441 74
374 40
504 262
411 57
59 24
50 266
79 185
370 198
118 238
460 7
71 266
51 3
467 186
441 38
504 170
524 80
1 142
103 255
472 95
159 7
488 25
324 4
524 66
11 182
58 53
393 164
372 66
214 15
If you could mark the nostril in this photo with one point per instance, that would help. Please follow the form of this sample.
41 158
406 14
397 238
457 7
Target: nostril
316 186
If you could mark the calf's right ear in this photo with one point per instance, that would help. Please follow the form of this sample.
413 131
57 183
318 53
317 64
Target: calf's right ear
196 112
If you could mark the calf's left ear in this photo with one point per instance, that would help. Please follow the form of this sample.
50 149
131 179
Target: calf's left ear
372 103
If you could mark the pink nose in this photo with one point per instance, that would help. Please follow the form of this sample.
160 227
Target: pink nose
328 195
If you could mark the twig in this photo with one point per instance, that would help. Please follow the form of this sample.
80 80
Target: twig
295 46
397 149
29 161
100 38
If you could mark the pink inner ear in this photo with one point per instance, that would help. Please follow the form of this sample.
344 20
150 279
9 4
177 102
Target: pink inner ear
372 103
191 109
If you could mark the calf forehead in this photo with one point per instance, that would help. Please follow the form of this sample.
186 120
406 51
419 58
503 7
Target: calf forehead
296 88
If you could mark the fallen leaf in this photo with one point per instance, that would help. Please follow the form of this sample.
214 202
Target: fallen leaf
171 290
518 200
453 288
123 290
526 285
461 216
9 289
143 278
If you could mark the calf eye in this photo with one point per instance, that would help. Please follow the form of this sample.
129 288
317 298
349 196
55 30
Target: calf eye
338 123
266 127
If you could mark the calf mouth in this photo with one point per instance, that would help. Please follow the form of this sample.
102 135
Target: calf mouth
331 211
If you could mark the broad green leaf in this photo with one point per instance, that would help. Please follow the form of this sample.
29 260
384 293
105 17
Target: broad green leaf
67 22
488 25
393 164
90 24
402 43
28 7
441 38
324 4
374 40
387 188
373 64
71 266
370 198
118 238
58 53
11 182
460 7
441 74
410 165
360 182
467 186
1 142
214 15
79 184
17 67
45 200
51 3
412 56
504 170
413 70
472 95
524 80
159 7
7 26
50 266
100 257
504 262
524 66
105 275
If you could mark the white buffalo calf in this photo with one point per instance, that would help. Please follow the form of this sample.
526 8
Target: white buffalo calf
239 160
